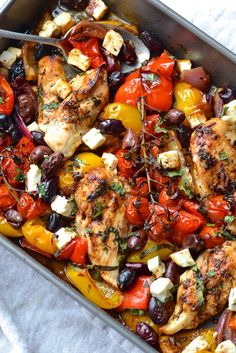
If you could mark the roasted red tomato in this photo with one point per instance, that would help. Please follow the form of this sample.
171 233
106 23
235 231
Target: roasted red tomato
168 200
29 208
6 97
25 146
211 236
184 224
141 187
6 198
159 181
125 163
137 210
217 208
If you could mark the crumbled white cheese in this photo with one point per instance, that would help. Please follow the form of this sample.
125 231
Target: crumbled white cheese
113 42
169 159
64 236
7 59
110 161
33 126
156 266
16 51
183 65
230 108
183 258
49 29
231 120
196 119
232 299
33 178
62 205
61 88
160 289
226 347
64 21
197 345
97 9
94 139
78 59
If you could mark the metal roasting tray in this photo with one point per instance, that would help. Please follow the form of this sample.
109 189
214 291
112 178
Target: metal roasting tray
181 38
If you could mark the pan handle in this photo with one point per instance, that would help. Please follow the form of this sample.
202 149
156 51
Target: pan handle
27 37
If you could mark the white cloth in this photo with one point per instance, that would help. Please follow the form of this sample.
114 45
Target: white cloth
35 316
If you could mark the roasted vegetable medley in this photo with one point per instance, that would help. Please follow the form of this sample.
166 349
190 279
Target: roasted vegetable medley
127 180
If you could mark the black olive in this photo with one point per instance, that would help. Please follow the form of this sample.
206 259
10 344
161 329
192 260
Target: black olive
126 278
49 189
111 126
26 107
115 80
137 241
184 134
16 70
160 312
175 116
55 222
42 50
74 4
152 42
16 136
194 243
5 122
38 138
52 163
14 218
39 153
172 272
227 94
145 332
128 54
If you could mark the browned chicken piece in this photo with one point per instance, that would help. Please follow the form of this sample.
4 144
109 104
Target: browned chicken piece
203 293
66 121
213 157
101 200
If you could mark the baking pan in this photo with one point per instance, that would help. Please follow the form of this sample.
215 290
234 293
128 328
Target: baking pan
181 38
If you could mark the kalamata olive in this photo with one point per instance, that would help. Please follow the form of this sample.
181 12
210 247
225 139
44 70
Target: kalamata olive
145 332
152 42
52 163
74 4
38 138
175 116
172 272
115 80
5 122
111 126
55 222
193 242
184 134
227 94
196 77
113 64
137 241
15 135
140 268
39 153
160 312
14 218
42 50
126 278
128 54
49 189
26 107
16 70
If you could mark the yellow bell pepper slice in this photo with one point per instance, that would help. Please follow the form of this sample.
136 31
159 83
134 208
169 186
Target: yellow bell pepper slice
99 293
150 250
65 177
88 161
37 235
131 321
187 97
7 230
127 114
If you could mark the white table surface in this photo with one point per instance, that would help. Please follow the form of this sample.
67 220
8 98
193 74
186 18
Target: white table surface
37 317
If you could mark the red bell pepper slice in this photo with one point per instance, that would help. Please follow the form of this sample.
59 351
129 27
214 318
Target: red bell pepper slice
80 251
6 97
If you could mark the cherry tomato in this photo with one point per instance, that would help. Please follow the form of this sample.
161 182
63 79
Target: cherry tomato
6 97
150 123
211 236
165 199
29 208
193 207
217 208
5 141
141 187
6 198
125 164
25 146
163 64
184 224
80 251
160 181
159 224
137 210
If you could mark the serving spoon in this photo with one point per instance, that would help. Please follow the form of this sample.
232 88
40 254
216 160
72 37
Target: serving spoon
141 50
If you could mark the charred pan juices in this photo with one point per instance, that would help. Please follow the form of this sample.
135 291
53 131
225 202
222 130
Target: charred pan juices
128 181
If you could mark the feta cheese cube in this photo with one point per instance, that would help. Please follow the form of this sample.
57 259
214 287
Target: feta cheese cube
160 289
78 59
226 347
94 139
64 21
197 345
183 65
62 205
110 161
169 159
97 9
61 88
232 299
33 126
49 29
231 120
196 119
183 258
156 266
113 42
33 178
16 51
230 108
7 59
64 236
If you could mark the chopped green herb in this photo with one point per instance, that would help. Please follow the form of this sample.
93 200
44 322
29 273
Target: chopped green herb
98 210
150 77
41 189
223 156
211 273
227 235
174 173
229 219
137 312
119 188
159 129
200 290
194 268
20 176
88 230
70 229
74 209
185 185
51 106
210 225
77 162
225 110
2 100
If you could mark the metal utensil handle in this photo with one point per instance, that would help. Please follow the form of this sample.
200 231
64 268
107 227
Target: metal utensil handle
27 37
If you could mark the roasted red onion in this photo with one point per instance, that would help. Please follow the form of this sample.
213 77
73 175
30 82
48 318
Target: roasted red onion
87 29
224 332
196 77
130 140
218 105
21 126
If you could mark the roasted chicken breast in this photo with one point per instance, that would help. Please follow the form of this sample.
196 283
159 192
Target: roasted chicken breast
213 157
203 291
66 121
101 200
